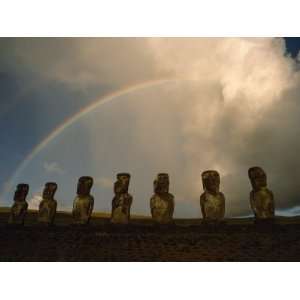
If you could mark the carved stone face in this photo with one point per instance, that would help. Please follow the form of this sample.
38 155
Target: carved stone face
161 183
122 184
84 185
49 190
21 192
211 181
257 177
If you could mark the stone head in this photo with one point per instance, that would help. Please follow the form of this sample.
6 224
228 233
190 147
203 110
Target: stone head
122 184
161 183
84 185
258 178
21 192
49 190
211 181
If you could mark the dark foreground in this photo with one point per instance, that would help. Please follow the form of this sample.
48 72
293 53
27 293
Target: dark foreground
187 240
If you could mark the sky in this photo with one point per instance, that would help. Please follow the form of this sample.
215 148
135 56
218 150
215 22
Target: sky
98 106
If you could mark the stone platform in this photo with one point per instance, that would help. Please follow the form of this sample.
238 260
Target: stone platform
187 240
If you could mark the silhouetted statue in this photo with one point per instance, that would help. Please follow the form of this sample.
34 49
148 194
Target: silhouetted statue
19 209
122 201
47 207
84 202
162 202
261 198
212 201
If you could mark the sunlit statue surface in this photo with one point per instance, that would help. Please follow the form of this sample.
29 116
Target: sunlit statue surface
84 202
212 201
261 198
47 207
122 201
162 202
19 209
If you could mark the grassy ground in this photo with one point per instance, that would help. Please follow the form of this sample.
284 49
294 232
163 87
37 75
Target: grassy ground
187 240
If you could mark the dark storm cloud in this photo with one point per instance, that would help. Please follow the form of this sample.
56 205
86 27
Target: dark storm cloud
80 62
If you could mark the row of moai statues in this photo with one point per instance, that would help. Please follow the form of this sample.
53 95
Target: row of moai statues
212 201
47 207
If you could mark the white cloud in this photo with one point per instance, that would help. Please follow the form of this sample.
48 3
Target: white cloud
53 167
104 182
34 202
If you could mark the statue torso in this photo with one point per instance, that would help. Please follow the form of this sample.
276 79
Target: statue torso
82 208
121 208
162 207
262 203
213 205
18 212
47 210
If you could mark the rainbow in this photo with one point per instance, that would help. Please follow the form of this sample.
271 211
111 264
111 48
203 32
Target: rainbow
81 113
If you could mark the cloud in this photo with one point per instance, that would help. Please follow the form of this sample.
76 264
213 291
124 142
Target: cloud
81 62
53 167
104 182
242 111
235 105
34 202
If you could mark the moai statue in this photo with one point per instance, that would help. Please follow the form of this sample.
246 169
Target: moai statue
122 201
212 201
261 198
47 207
162 202
84 202
19 209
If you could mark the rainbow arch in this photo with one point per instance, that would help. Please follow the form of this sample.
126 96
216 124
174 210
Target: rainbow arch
71 120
